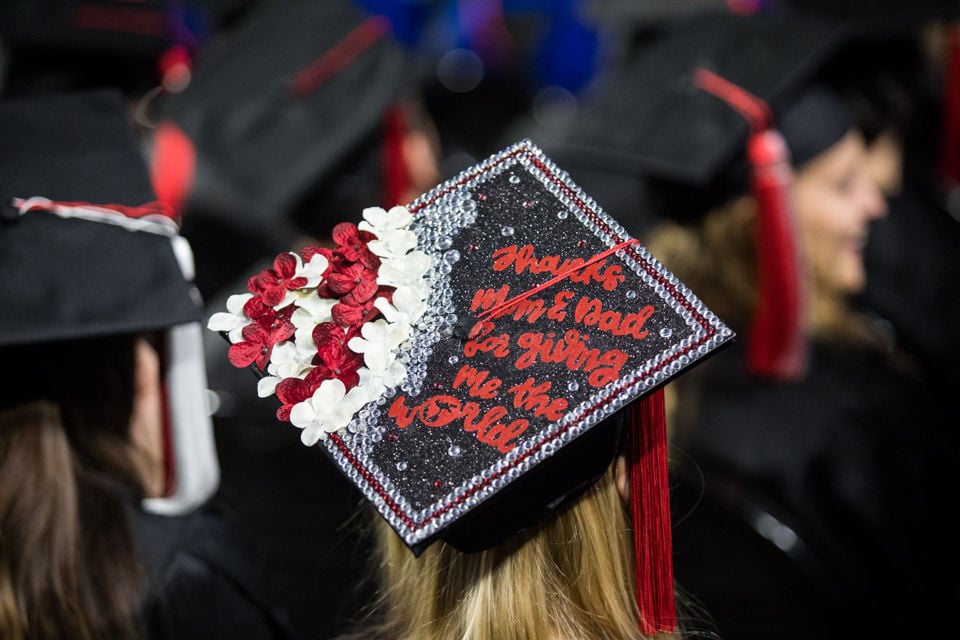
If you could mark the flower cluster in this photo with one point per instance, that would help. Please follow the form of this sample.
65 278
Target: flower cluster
325 327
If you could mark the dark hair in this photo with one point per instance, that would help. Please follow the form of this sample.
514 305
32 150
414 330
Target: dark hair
68 564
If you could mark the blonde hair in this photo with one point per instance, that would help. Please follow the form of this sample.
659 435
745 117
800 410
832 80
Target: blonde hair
571 578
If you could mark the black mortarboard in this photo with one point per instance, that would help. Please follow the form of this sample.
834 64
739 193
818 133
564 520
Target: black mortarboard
64 45
466 366
649 117
711 107
86 251
275 105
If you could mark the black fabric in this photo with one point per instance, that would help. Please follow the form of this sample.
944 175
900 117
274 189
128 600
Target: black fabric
72 278
261 146
74 146
813 123
63 45
140 28
649 118
203 582
856 461
913 264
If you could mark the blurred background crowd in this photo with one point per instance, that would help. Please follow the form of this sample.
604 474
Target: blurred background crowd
808 498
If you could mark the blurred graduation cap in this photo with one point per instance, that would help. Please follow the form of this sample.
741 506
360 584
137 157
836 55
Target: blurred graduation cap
714 106
70 45
86 252
283 99
474 363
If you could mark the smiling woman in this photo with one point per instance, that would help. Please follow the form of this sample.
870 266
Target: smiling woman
836 200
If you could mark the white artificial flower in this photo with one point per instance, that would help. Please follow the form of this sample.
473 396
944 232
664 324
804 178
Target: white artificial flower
371 383
313 309
379 332
393 243
291 359
379 346
232 321
312 271
375 219
406 308
406 271
328 410
267 386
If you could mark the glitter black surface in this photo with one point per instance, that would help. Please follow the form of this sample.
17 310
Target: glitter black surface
473 415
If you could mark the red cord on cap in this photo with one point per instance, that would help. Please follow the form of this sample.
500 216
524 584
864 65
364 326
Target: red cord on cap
776 341
338 57
650 507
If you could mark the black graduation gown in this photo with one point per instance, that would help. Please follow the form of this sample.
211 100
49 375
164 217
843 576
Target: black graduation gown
820 507
202 580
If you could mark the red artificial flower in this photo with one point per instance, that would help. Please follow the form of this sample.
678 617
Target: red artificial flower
267 317
352 245
354 283
292 391
334 359
272 284
327 334
353 314
308 252
258 344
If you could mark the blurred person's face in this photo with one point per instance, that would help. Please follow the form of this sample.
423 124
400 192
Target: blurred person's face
885 162
836 199
146 422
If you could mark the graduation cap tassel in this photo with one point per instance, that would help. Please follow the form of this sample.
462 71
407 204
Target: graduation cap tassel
776 344
396 175
173 165
950 137
650 504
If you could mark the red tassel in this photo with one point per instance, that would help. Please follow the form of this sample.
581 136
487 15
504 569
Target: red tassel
950 127
396 175
650 502
173 164
776 346
776 343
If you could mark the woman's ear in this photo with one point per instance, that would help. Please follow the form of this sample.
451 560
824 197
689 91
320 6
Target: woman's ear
146 421
622 477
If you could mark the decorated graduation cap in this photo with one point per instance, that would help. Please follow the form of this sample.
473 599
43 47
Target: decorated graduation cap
722 105
475 361
86 251
279 102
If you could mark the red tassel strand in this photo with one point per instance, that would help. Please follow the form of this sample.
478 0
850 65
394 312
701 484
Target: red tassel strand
173 165
650 501
396 175
776 343
950 118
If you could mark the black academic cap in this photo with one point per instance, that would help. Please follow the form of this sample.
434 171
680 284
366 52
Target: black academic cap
650 119
81 149
64 45
283 97
466 366
711 107
85 251
871 14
